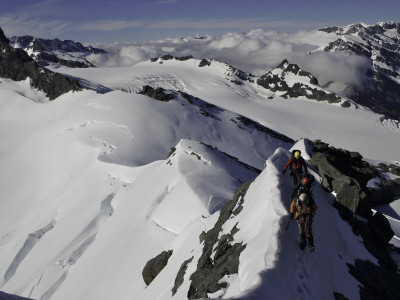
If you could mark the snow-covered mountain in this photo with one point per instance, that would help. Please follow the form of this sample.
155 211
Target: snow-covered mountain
44 51
15 64
163 180
379 43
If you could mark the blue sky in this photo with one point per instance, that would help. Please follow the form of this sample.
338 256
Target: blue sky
138 20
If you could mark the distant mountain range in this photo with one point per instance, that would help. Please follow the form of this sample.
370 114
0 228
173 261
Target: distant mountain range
45 51
378 43
17 65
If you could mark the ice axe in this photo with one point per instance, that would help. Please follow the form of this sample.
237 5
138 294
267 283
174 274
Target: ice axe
290 220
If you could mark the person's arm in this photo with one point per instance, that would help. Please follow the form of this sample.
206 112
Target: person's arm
287 165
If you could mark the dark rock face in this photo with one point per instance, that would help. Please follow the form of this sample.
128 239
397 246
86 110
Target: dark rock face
275 81
159 93
388 190
380 228
379 43
155 265
345 173
180 276
204 62
210 269
17 65
378 283
45 49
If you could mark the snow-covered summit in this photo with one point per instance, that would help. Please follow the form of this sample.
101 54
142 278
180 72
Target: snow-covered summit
289 81
379 44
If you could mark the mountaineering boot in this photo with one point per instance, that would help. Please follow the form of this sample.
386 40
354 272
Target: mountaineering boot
303 242
311 243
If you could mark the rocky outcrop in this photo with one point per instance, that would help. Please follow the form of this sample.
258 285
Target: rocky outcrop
345 173
300 84
159 93
180 276
204 62
155 265
17 65
220 255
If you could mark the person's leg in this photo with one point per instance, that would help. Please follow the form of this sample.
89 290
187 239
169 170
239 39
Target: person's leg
303 238
308 232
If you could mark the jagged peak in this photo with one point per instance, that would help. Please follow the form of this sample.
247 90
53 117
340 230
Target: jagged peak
3 38
356 28
285 68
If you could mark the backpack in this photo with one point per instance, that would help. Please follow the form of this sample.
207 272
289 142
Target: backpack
303 204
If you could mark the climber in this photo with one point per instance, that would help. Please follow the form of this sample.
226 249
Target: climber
295 162
303 209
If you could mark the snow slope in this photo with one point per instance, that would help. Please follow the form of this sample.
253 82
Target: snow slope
75 164
376 137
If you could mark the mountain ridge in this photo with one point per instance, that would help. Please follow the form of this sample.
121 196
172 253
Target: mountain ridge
46 51
17 65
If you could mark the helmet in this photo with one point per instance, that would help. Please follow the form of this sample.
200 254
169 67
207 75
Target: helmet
297 154
303 197
305 181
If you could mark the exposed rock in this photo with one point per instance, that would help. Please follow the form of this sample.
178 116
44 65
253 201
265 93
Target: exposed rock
345 173
380 228
204 62
210 269
339 296
45 51
180 276
252 124
17 65
155 265
170 57
377 283
387 191
159 93
167 57
306 85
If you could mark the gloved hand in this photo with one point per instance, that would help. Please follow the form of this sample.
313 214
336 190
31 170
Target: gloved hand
291 216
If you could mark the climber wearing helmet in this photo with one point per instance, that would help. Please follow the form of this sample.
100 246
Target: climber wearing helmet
303 209
296 163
